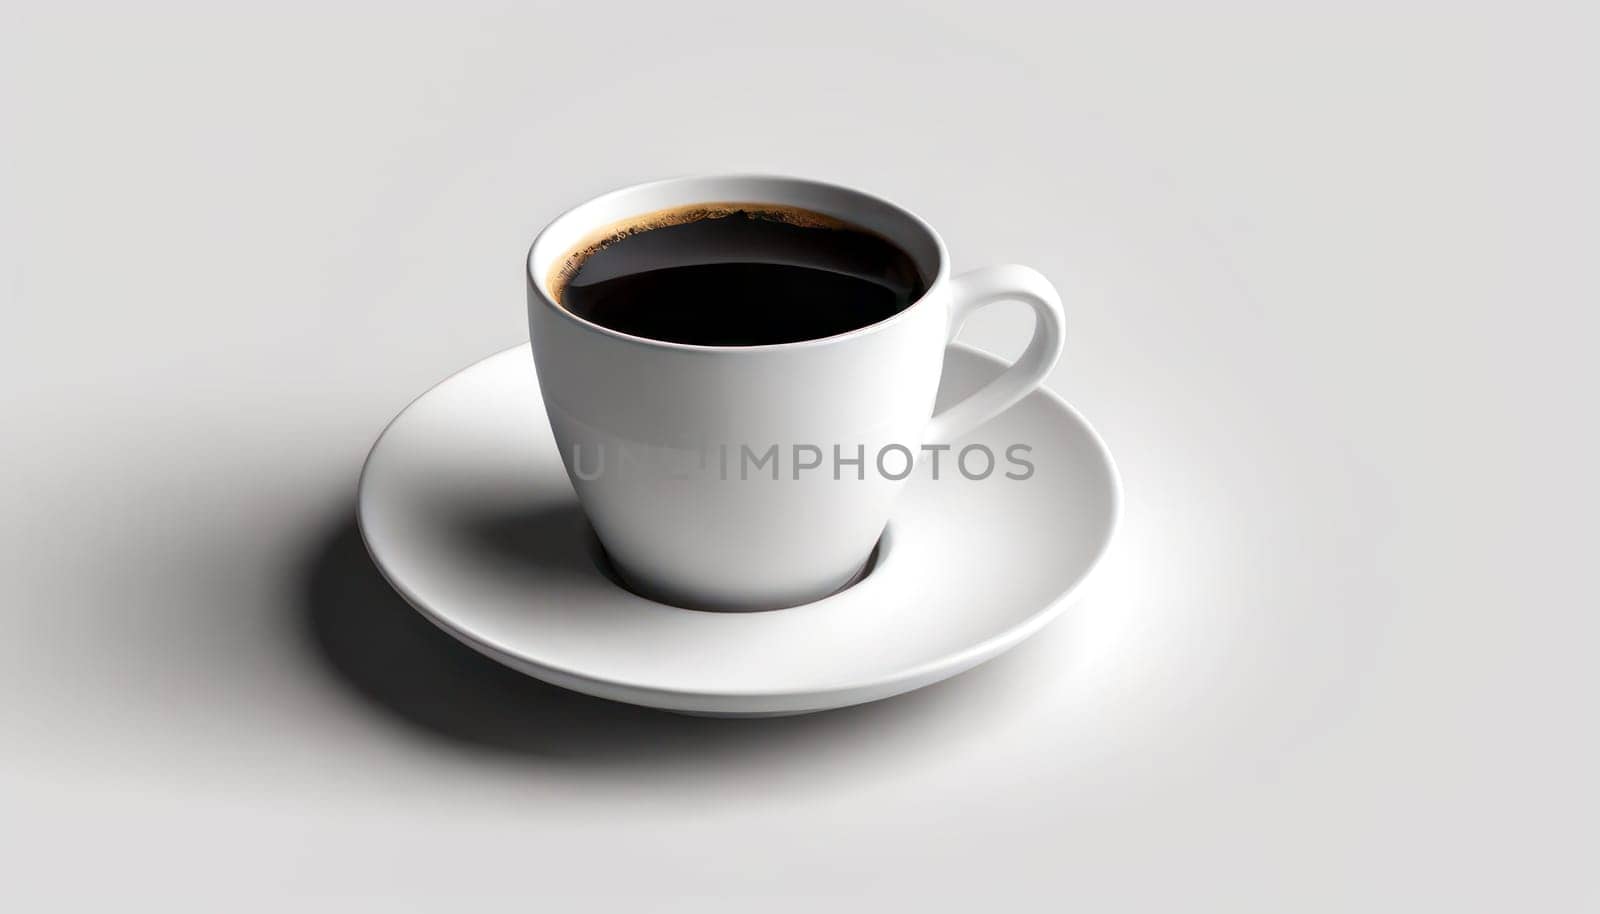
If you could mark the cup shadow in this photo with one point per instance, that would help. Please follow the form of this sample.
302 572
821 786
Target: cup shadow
406 669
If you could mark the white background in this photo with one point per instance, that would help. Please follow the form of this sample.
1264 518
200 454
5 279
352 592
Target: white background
1331 287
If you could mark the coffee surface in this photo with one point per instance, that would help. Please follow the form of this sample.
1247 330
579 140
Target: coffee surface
737 275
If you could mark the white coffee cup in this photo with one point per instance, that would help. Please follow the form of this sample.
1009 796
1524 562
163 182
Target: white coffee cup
660 438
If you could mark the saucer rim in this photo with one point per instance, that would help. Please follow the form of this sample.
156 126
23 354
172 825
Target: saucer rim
686 699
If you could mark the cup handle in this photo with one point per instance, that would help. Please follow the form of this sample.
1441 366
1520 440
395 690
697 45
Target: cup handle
978 289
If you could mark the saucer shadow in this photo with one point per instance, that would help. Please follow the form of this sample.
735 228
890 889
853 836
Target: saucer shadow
408 670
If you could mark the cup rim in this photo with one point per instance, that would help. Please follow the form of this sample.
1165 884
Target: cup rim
941 269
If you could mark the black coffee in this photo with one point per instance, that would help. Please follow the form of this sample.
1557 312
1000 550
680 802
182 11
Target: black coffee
737 275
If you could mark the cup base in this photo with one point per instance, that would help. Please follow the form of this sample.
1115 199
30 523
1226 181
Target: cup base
635 584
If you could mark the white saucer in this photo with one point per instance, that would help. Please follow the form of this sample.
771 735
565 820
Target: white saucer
466 508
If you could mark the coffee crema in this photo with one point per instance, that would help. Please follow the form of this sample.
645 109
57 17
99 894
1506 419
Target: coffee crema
735 274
